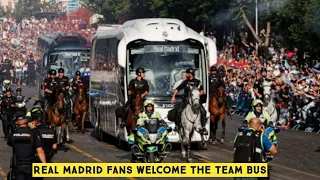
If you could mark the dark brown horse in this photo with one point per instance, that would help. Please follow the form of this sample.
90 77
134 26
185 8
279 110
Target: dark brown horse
80 107
57 116
217 109
135 110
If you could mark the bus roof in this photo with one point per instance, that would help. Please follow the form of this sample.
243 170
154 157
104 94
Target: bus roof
152 29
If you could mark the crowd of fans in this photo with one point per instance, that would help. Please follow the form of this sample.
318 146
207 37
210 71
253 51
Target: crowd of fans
294 85
18 42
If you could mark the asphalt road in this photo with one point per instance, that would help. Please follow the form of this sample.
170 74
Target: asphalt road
296 159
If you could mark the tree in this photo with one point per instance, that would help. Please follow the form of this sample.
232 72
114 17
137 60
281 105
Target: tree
25 8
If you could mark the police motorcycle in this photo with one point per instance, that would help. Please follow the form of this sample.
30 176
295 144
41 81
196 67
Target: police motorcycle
152 141
153 146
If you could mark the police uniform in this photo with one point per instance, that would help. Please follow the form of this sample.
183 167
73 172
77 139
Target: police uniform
186 85
47 134
76 81
51 85
213 80
45 81
263 116
62 82
9 107
31 70
135 86
25 143
258 84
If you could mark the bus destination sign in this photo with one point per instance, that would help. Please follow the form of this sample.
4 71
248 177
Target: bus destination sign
166 48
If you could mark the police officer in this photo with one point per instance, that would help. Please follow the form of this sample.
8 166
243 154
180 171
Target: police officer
63 86
20 100
6 65
193 82
136 85
213 79
31 70
8 104
63 82
26 143
76 81
49 87
257 111
45 81
47 134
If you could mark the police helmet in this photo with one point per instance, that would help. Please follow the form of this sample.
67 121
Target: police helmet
60 70
78 73
191 71
257 102
19 89
213 68
36 112
53 72
21 116
140 70
6 82
148 103
8 90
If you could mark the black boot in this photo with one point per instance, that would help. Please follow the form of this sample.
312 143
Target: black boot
203 122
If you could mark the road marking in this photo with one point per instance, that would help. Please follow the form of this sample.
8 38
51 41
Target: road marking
90 156
2 173
277 165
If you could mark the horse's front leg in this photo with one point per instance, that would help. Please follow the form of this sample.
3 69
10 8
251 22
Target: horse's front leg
214 129
189 159
82 122
223 122
182 142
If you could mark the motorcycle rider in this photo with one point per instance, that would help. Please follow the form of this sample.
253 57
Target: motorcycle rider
5 85
147 114
49 87
135 85
8 104
26 143
47 134
193 82
257 111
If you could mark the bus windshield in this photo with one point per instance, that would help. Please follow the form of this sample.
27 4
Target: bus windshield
70 62
166 63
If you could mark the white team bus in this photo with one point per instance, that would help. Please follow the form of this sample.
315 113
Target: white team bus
165 48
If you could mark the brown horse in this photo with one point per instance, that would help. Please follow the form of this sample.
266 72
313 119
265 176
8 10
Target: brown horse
135 110
217 109
80 107
57 116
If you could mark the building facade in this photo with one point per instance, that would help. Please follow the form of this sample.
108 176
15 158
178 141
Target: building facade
72 5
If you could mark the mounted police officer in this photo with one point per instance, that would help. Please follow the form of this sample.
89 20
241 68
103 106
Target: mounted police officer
193 82
26 143
8 104
46 80
47 134
213 79
49 87
76 81
136 85
63 86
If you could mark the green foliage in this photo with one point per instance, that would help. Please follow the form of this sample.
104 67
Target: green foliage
25 8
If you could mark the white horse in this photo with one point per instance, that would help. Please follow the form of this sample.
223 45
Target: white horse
190 121
270 105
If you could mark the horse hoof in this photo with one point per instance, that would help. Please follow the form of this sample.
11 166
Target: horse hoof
214 142
189 160
222 141
183 154
203 144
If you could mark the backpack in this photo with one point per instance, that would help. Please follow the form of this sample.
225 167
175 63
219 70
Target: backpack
246 147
